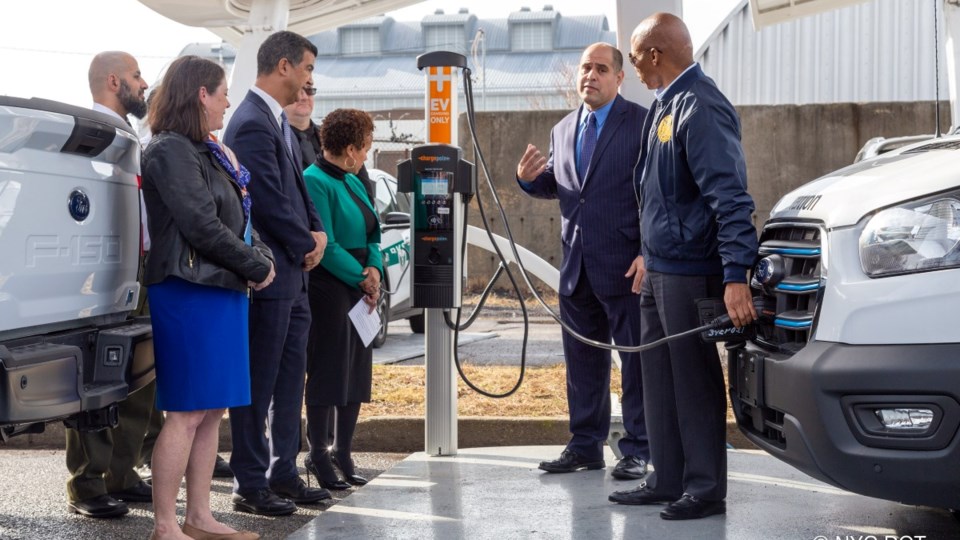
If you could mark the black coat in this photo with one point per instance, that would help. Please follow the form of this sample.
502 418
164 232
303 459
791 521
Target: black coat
196 219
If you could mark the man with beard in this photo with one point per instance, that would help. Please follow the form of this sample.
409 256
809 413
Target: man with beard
102 463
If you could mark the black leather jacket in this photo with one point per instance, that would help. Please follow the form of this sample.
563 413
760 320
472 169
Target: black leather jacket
196 218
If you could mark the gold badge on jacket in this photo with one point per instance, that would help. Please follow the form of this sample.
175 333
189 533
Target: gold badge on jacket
665 129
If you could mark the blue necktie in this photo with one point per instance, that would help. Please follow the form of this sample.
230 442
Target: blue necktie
287 133
588 142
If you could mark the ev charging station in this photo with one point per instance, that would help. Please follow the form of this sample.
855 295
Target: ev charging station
441 184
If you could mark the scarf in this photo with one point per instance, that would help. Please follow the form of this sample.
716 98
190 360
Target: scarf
241 177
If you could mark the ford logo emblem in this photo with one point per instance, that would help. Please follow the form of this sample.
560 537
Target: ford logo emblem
79 205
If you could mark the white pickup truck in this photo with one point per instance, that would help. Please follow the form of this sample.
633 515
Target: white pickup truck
70 254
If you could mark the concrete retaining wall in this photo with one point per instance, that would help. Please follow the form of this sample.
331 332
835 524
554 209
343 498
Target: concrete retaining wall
402 434
785 146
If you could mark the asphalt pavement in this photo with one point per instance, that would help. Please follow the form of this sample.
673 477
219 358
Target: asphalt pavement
33 502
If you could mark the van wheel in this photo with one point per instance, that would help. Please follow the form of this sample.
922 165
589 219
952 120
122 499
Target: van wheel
383 309
417 324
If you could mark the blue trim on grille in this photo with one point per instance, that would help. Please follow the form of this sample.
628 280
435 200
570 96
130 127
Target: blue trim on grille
789 287
791 251
793 324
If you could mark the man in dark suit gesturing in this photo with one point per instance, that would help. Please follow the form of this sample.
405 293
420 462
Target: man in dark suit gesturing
593 151
266 478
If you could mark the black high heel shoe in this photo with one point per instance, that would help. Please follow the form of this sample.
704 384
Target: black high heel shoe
313 469
346 467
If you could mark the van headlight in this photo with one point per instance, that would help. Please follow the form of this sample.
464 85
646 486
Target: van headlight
913 237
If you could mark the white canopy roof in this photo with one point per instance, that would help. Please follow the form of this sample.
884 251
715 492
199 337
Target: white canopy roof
227 18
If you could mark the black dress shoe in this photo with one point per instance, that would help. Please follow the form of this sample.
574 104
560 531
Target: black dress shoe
221 469
297 491
328 477
690 507
101 506
640 495
141 492
345 464
630 468
570 461
263 502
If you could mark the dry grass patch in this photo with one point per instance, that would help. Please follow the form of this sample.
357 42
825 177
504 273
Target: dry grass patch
399 391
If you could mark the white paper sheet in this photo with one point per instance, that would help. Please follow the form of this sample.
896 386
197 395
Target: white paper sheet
366 323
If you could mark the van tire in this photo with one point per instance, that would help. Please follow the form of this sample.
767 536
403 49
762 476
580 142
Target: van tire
417 324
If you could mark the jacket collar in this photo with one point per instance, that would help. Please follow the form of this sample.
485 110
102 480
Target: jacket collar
330 168
682 83
258 101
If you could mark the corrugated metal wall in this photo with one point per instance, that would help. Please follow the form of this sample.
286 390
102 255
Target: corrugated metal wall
879 51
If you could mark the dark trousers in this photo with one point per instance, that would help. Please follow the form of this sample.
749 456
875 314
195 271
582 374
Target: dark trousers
102 461
278 363
588 370
683 390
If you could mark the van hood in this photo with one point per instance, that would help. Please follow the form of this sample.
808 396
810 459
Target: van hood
842 198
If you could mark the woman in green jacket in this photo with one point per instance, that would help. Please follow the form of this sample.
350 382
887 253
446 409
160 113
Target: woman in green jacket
339 366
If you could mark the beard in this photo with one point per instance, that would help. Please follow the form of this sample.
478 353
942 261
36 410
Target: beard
133 103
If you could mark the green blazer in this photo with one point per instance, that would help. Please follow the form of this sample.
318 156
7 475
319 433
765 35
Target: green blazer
343 222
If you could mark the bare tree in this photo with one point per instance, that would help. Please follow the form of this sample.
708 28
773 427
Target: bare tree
564 85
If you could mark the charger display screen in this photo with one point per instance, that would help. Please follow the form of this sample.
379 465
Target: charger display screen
434 186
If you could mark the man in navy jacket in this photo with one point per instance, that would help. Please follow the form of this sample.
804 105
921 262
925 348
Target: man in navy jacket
698 242
590 171
266 477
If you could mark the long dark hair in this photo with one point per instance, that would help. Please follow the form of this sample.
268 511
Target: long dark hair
176 105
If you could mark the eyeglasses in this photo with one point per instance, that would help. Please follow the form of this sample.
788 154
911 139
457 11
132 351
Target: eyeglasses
310 90
634 60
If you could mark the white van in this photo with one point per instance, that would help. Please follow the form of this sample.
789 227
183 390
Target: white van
854 376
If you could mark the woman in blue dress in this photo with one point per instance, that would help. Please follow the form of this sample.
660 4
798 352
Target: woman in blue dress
203 258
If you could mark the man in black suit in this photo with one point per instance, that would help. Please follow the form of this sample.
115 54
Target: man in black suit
266 477
593 151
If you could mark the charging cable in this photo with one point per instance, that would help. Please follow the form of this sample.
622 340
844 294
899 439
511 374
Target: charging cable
719 323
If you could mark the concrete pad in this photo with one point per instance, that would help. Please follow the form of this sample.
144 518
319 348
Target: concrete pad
403 346
498 493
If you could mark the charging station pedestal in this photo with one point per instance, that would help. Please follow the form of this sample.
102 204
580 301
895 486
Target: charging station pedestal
441 183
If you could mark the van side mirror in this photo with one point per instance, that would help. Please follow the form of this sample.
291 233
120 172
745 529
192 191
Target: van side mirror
397 219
